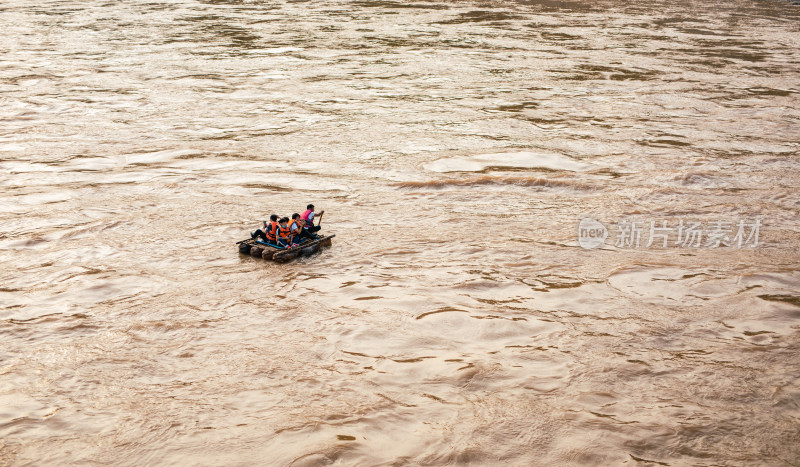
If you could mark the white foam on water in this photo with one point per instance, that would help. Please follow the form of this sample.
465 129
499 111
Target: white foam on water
281 50
12 147
521 160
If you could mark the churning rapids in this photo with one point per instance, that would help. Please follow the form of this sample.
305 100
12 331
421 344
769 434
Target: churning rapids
455 147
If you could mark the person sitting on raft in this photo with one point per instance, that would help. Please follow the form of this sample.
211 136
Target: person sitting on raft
296 227
284 233
267 232
309 229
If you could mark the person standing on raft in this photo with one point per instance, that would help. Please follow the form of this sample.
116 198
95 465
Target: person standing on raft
309 229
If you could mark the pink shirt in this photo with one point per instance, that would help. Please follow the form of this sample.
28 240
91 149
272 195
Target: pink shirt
308 215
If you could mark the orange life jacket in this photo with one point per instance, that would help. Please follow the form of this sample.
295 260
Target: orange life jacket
296 223
273 226
283 232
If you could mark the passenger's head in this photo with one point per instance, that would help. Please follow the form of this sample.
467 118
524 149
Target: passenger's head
295 216
284 220
310 206
273 217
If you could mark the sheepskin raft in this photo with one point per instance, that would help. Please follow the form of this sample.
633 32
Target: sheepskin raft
282 255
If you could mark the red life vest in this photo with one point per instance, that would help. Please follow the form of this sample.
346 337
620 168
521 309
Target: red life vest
283 232
273 226
309 223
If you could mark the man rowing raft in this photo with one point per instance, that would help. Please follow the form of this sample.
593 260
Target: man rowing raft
309 229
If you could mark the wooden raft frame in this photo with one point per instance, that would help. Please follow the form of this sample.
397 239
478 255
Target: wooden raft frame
282 255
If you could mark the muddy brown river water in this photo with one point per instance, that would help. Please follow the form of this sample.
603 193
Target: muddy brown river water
455 148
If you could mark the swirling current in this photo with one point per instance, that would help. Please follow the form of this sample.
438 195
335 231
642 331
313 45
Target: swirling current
455 147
